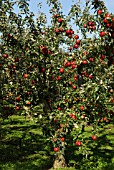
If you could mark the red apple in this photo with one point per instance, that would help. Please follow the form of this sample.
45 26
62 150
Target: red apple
56 149
17 108
61 29
85 25
76 36
60 20
102 34
43 70
91 59
76 46
61 70
78 143
74 86
78 42
99 12
72 32
107 15
94 137
5 55
84 62
105 21
26 75
68 32
70 48
59 108
70 82
57 30
73 66
68 64
44 50
18 99
62 139
56 15
58 78
28 102
82 108
102 57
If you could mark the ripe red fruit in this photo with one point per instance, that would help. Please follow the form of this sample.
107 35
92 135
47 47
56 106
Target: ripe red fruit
52 77
56 149
17 108
73 65
84 62
104 118
76 46
5 55
85 26
78 143
34 81
26 75
68 32
72 32
76 76
44 50
102 33
93 24
107 15
16 59
102 57
78 42
57 30
60 20
90 76
9 36
105 21
70 36
81 107
94 137
43 70
28 102
70 48
56 15
73 117
89 23
18 99
75 79
62 139
99 12
73 62
76 36
61 70
93 27
58 78
87 75
70 82
61 29
74 86
28 92
108 25
59 108
91 59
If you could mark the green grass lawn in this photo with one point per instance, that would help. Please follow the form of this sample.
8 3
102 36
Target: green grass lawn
23 147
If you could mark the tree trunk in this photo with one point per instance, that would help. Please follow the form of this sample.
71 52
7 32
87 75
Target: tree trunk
59 161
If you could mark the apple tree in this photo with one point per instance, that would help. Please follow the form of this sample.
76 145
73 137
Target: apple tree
74 85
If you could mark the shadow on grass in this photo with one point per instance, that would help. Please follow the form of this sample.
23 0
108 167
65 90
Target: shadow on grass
100 153
24 148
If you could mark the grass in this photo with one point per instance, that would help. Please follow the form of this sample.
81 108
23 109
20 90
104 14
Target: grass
24 147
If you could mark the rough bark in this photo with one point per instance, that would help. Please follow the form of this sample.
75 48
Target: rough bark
59 162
